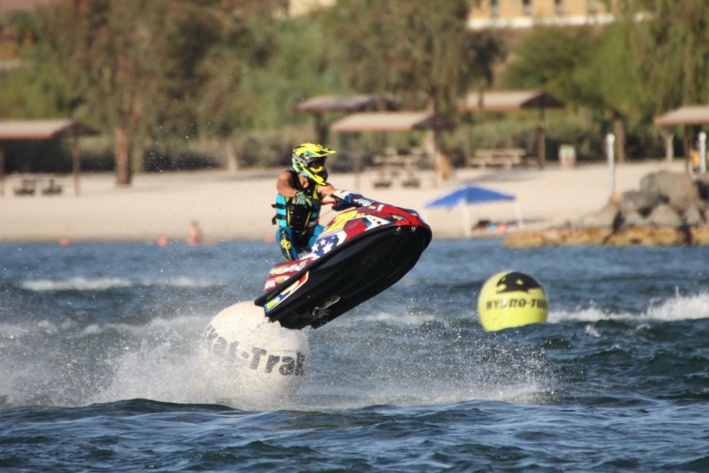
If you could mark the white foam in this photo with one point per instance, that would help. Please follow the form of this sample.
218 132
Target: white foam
105 283
76 283
397 320
680 307
166 367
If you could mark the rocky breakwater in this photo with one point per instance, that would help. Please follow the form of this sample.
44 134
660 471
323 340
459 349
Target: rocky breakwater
670 209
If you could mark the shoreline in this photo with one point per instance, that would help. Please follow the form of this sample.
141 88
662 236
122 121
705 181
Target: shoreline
237 206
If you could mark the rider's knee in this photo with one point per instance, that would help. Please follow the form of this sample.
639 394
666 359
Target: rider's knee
284 237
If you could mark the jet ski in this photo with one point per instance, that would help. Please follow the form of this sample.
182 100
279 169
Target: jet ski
360 253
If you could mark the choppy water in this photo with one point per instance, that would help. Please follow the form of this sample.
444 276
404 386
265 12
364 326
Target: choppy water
99 357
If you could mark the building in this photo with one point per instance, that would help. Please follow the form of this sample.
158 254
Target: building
9 5
526 13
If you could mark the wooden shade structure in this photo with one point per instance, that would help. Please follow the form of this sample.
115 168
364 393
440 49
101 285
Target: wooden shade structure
390 122
386 122
321 104
511 100
339 103
516 100
44 130
687 115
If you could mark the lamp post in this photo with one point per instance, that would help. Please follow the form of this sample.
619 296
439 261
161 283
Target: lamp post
702 152
610 140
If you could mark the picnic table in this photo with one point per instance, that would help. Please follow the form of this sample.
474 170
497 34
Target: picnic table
498 157
391 163
29 183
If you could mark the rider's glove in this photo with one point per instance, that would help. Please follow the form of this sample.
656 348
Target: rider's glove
341 205
301 199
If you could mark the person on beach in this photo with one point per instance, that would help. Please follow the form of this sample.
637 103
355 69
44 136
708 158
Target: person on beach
299 199
194 233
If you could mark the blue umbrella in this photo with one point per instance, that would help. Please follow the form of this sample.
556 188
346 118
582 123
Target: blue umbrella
470 194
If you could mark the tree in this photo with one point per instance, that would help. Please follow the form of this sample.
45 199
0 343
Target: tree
133 64
417 49
586 67
670 40
548 58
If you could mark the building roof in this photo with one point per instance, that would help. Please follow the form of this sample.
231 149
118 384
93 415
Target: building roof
510 100
43 129
389 121
8 5
687 115
339 103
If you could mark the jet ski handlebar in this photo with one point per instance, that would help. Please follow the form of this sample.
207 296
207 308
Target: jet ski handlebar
343 199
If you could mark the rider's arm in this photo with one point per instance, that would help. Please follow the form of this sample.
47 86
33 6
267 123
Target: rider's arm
327 189
285 185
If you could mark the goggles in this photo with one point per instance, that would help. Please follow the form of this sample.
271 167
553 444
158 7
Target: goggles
316 165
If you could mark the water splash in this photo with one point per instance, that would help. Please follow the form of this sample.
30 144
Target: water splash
105 283
680 307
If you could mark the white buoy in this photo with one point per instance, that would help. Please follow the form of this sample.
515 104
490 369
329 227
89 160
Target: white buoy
250 360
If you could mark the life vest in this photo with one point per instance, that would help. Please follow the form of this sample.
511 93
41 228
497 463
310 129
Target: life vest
300 218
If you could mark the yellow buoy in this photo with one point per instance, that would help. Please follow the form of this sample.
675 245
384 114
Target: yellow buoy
512 299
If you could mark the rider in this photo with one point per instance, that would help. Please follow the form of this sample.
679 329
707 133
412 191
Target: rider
298 200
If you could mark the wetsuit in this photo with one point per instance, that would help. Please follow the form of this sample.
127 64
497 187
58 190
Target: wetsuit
297 224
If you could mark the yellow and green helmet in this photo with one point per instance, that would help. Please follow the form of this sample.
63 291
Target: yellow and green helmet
309 160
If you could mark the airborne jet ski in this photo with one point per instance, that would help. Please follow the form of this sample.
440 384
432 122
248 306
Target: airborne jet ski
360 253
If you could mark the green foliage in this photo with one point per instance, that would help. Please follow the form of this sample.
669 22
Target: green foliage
416 49
549 58
179 74
611 73
671 46
297 69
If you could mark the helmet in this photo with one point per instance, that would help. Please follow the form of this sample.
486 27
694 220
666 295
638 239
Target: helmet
309 160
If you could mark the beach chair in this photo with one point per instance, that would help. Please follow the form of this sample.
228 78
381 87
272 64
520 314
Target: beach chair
26 187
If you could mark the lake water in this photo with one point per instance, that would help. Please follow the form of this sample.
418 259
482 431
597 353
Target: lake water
100 359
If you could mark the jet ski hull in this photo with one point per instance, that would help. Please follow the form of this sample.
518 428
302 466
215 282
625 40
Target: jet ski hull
364 261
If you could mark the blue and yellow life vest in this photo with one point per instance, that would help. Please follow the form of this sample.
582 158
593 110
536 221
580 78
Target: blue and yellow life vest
300 218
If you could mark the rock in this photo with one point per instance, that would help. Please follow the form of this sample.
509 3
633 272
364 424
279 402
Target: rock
557 237
635 236
700 236
554 237
633 219
671 209
587 237
665 216
645 236
524 240
606 217
703 186
679 188
671 237
693 216
641 202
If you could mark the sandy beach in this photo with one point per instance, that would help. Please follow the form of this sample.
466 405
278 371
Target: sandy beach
237 206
